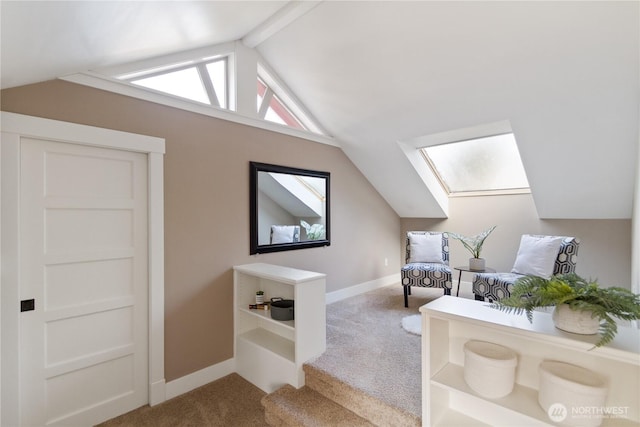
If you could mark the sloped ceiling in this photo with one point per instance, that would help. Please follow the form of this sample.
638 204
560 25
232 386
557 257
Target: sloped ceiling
564 75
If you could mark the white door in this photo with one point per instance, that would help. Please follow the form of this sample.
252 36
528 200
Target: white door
83 233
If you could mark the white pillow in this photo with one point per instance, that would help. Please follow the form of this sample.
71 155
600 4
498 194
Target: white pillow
537 255
282 233
425 248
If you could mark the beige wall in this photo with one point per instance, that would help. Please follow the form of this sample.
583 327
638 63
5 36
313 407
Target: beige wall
207 210
207 218
605 245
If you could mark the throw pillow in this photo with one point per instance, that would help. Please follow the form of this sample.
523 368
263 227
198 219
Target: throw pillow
425 248
282 233
537 255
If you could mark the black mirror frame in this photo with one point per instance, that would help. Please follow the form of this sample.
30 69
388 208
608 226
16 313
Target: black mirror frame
254 247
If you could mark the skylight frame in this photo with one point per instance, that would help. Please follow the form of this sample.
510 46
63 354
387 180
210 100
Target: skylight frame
453 192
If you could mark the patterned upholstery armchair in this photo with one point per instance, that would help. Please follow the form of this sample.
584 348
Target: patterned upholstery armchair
495 286
427 262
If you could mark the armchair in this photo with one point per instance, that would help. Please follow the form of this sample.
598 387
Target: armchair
427 262
537 255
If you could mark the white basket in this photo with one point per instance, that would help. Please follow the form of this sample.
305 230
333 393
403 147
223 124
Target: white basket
489 369
577 389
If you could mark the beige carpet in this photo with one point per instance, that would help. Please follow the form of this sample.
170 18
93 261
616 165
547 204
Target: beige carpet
229 401
366 347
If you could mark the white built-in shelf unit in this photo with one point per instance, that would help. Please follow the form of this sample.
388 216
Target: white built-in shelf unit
448 322
270 353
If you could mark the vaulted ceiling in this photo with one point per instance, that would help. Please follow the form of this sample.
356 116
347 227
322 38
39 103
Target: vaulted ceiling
380 75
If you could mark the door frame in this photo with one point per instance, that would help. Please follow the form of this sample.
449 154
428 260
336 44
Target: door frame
14 127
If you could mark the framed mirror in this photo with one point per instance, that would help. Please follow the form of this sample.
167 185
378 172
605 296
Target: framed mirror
289 208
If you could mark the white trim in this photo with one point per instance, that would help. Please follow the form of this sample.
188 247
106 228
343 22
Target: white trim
0 290
273 82
393 279
199 378
116 86
279 20
426 175
15 126
37 127
462 134
156 278
9 295
191 56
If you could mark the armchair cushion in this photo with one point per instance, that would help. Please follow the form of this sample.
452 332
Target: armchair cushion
425 248
494 286
537 255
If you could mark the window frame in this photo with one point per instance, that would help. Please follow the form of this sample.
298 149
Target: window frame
239 84
471 193
203 74
287 99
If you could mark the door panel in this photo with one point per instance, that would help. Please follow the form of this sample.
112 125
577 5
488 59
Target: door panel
67 285
84 261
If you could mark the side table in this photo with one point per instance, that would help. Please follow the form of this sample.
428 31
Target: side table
466 268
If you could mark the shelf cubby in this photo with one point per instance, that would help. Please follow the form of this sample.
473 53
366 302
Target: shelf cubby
449 322
270 353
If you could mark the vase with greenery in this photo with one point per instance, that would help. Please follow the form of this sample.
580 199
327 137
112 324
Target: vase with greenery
571 293
474 245
314 232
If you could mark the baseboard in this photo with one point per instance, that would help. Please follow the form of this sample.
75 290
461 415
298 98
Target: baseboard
157 392
214 372
361 288
199 378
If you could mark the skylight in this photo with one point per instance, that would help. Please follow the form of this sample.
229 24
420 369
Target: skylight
204 82
489 164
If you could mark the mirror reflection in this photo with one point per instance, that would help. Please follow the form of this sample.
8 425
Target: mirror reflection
289 208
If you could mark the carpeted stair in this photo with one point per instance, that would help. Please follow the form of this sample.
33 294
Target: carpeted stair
328 401
288 407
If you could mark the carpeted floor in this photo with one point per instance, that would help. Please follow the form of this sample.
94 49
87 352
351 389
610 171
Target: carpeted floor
366 347
229 401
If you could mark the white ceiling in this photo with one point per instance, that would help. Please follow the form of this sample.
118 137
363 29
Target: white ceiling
565 75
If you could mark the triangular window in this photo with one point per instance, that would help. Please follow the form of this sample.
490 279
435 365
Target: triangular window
271 108
215 76
204 82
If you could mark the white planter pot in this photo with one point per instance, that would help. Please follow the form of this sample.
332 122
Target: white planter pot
476 264
259 299
575 321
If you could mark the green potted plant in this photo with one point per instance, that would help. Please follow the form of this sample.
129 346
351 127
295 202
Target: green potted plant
314 232
580 306
474 245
